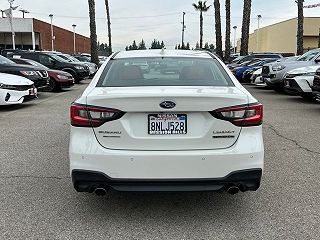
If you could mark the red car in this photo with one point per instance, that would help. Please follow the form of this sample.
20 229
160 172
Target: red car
58 79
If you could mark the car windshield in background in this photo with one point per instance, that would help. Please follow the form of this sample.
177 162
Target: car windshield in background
308 56
132 72
6 61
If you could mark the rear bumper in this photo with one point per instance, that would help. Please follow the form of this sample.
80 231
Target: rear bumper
88 181
213 166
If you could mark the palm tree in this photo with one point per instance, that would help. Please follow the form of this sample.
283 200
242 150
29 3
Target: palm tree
245 27
300 27
93 32
228 31
201 7
218 28
109 24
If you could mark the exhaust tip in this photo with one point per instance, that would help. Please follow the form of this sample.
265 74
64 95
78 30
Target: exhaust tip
100 191
233 190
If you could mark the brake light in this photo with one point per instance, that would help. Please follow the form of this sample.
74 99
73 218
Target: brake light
89 116
242 116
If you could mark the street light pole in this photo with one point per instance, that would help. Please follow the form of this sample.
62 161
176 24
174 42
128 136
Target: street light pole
183 29
74 38
258 33
235 39
11 25
52 36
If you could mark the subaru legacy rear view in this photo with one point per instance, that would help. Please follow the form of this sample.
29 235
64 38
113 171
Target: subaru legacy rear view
187 125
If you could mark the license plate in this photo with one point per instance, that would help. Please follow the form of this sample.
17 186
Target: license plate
167 124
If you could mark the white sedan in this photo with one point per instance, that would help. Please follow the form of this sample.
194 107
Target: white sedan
191 128
15 89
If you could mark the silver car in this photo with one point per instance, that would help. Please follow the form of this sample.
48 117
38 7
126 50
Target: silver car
273 74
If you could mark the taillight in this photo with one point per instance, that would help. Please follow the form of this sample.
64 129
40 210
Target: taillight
89 116
243 116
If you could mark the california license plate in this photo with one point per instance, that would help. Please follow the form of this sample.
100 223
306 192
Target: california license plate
167 124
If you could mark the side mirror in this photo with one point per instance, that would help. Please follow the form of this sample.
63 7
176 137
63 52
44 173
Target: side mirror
317 75
317 60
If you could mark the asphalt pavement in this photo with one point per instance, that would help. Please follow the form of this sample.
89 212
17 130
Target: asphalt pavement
37 200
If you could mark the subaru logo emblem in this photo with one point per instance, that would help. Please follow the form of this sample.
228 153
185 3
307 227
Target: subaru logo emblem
167 104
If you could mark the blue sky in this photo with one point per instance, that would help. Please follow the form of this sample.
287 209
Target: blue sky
150 19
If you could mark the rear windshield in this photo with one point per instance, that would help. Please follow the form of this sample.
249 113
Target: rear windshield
132 72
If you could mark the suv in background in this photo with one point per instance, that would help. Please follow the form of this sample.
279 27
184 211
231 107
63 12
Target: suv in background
273 74
52 61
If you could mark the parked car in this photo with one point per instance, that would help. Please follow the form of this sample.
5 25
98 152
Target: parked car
274 73
243 74
247 58
15 89
299 81
158 132
93 68
316 85
37 75
58 79
52 61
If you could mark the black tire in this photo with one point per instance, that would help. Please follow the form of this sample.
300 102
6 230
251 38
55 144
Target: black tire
53 86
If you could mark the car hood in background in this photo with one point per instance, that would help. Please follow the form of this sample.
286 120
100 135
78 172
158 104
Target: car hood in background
308 69
10 79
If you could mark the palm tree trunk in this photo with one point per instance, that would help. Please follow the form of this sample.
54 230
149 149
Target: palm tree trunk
245 27
300 28
218 28
228 31
201 29
109 24
93 32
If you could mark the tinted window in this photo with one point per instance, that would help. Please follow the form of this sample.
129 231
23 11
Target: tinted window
164 72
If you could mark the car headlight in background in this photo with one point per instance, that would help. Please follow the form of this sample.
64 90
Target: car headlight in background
28 73
79 67
278 68
62 77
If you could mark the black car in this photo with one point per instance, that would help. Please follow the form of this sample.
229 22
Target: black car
37 75
52 61
316 85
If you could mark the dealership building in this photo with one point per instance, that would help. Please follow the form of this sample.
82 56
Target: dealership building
282 37
33 34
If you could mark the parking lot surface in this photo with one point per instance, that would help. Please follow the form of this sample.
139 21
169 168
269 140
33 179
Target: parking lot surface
37 200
